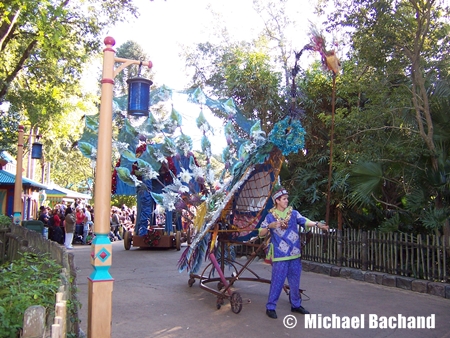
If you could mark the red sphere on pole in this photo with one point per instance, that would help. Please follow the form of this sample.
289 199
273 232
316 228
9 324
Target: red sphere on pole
109 40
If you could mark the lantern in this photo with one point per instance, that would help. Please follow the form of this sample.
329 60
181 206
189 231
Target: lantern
138 96
36 149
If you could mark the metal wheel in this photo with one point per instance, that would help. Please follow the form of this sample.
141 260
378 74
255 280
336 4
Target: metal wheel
219 302
127 240
236 302
178 240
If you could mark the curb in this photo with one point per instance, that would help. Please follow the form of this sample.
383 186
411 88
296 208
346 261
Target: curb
380 278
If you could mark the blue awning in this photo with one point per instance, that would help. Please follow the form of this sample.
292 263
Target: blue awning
6 178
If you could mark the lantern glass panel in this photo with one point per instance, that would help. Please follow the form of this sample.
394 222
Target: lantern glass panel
36 150
138 96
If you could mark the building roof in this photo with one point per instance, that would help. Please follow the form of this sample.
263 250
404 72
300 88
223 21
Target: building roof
7 157
57 191
7 178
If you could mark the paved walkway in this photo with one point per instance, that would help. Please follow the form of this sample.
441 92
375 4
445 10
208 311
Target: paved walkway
152 299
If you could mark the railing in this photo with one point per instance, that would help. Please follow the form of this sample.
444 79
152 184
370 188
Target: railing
418 256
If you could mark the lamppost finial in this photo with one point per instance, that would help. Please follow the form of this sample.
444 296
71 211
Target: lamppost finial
109 41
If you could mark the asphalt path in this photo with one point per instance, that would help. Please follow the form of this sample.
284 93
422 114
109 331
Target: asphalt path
152 299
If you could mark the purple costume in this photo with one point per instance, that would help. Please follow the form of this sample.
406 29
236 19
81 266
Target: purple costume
284 251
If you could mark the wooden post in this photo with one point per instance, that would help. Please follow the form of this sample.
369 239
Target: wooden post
56 331
364 251
61 311
18 206
100 281
330 168
339 248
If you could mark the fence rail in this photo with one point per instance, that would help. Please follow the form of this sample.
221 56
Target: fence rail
418 256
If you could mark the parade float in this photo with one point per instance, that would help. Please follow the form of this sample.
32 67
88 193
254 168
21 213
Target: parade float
158 165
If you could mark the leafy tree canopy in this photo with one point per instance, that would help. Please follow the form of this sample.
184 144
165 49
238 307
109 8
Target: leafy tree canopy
44 46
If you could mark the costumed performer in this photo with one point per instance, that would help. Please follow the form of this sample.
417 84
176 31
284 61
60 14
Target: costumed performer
284 223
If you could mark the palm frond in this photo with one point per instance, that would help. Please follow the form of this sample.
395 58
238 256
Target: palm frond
365 179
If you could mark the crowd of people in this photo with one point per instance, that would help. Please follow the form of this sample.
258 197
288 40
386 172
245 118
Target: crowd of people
74 223
69 224
122 219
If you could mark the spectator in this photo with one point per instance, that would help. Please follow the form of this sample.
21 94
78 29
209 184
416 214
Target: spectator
63 207
44 216
79 227
70 221
56 232
86 224
91 211
115 223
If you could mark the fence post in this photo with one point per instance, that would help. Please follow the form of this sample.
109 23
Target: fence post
364 251
339 248
34 322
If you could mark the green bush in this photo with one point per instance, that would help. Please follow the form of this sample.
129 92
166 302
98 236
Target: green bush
30 280
5 221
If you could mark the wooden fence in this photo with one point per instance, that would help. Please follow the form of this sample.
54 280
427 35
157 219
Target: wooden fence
417 256
3 239
17 239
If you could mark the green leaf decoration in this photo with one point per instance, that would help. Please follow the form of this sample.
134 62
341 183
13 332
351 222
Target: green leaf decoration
202 123
226 154
256 128
158 198
229 107
161 94
243 153
201 120
176 117
130 156
125 175
128 133
149 156
89 136
91 122
206 145
149 126
86 148
142 164
197 96
184 143
120 103
169 147
229 129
